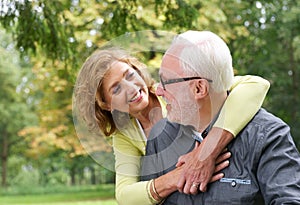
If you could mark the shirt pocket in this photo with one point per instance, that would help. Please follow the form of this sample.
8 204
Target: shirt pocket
234 189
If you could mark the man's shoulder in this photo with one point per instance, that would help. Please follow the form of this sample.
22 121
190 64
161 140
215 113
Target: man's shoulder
263 129
266 120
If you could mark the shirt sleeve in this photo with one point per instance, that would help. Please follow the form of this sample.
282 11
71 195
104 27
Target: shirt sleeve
247 94
278 171
129 189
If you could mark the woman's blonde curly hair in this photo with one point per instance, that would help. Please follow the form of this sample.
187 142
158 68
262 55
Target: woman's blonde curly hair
88 95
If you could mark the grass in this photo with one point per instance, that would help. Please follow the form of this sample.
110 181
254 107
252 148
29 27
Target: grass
94 202
83 195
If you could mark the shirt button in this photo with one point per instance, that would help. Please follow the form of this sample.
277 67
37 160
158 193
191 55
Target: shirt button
233 183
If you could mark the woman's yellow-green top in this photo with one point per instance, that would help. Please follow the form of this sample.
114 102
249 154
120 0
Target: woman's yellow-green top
246 96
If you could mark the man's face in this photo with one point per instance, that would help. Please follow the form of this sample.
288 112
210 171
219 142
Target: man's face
181 105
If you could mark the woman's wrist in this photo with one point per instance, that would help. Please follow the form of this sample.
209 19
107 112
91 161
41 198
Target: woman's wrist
153 195
154 191
215 143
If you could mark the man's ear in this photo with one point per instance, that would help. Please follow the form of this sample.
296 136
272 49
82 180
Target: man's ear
201 88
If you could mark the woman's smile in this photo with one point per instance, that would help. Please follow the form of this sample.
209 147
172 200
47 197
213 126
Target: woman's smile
137 97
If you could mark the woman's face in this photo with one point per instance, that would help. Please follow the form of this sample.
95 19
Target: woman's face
124 89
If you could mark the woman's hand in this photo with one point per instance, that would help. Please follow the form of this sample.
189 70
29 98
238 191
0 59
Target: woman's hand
200 164
168 183
220 163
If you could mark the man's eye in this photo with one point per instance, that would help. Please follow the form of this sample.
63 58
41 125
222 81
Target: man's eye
116 89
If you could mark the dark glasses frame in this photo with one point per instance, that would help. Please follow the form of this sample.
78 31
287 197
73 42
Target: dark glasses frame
178 80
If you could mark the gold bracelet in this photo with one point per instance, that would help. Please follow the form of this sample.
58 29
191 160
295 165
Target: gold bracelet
152 199
155 192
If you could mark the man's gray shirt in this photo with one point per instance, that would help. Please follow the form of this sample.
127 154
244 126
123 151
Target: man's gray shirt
264 166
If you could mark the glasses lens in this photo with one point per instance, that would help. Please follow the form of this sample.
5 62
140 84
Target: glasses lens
162 82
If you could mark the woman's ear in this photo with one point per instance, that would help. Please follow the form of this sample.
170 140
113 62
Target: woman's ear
201 87
106 107
103 105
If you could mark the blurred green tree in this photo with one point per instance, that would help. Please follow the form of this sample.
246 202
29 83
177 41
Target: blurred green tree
15 111
272 50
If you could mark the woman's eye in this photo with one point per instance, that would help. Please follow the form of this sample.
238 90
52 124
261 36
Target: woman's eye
116 89
130 75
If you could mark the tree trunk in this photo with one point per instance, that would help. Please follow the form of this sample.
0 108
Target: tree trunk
4 159
73 173
93 175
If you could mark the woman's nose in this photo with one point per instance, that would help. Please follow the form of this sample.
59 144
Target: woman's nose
130 87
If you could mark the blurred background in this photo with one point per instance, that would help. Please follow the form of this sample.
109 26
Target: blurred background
44 43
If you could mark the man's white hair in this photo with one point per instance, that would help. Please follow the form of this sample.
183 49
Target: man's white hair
204 54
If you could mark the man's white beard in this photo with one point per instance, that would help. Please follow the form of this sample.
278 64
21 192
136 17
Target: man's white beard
186 114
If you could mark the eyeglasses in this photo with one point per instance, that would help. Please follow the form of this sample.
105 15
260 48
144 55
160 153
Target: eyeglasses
177 80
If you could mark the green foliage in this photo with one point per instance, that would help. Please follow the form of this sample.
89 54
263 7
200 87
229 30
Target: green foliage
15 114
14 111
31 20
178 14
26 178
272 52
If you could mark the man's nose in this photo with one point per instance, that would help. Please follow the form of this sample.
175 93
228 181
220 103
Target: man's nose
159 90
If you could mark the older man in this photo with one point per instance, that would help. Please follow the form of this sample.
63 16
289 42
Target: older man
196 73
